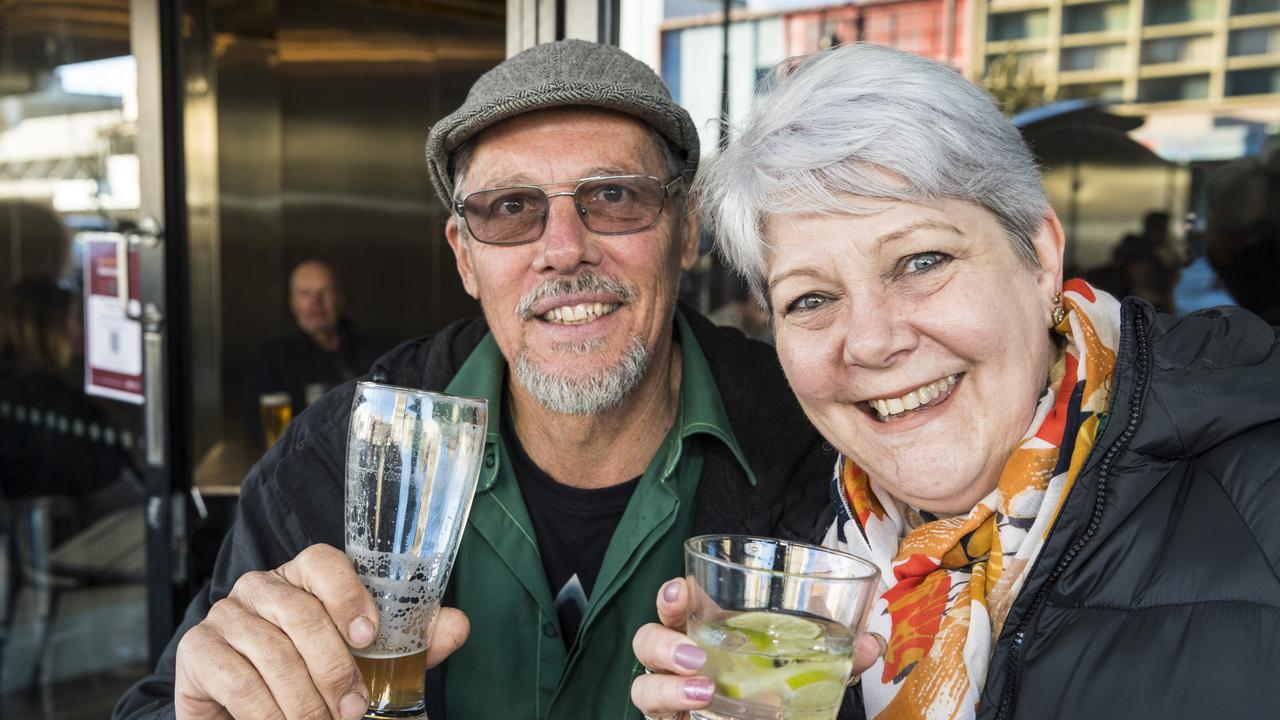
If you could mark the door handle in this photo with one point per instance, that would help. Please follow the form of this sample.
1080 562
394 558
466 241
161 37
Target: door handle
148 234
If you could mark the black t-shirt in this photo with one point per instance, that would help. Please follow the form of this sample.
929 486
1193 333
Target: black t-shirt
573 527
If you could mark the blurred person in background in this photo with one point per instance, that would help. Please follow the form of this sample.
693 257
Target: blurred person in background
744 313
1069 496
1143 264
52 439
322 350
1244 232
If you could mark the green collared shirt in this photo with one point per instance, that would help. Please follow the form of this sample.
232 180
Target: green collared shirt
514 666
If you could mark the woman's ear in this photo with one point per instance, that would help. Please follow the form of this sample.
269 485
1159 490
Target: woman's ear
1049 243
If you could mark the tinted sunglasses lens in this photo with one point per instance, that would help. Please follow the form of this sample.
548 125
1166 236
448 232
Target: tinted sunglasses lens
505 215
620 204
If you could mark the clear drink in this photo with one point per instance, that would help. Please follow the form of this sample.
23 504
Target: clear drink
778 621
413 458
775 665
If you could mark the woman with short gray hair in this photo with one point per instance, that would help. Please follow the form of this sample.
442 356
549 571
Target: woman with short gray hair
1067 495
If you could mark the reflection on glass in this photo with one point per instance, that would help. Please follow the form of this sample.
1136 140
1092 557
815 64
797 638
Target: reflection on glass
70 493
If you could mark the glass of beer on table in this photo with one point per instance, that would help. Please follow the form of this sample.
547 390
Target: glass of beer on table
275 410
413 458
779 622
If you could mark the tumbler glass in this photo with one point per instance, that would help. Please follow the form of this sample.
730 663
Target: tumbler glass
412 462
779 621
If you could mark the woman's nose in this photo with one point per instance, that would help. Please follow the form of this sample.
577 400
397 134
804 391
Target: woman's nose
875 336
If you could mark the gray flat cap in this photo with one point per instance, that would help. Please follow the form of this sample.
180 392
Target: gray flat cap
560 74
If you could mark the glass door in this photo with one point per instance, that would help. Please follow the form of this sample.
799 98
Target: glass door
88 569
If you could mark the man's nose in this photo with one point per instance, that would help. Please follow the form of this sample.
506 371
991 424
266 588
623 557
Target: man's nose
566 241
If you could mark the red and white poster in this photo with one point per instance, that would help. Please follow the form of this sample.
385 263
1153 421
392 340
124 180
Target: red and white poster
113 342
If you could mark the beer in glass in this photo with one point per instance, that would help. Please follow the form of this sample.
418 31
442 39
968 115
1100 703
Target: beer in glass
275 410
413 458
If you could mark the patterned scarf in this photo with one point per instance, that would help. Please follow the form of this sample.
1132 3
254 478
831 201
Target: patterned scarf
950 581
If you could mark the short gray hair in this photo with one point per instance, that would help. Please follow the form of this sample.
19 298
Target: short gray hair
866 121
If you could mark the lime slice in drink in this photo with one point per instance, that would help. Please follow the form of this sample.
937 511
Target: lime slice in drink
822 694
776 625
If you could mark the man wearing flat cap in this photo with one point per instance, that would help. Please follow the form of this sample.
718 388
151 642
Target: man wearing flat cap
620 424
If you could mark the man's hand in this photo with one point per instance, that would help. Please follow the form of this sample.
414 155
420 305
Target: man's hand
672 684
276 646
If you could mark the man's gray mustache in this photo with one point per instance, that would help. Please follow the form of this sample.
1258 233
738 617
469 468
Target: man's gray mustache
585 281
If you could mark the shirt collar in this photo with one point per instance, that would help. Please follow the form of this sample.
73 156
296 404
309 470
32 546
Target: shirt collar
701 409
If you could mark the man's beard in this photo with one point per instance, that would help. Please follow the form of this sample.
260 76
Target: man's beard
585 395
581 395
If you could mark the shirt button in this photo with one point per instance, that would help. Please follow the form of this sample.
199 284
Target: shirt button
549 630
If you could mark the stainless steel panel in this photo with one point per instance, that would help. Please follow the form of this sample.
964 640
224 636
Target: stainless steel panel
306 122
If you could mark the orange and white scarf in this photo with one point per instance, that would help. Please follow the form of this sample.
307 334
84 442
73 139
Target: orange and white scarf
948 583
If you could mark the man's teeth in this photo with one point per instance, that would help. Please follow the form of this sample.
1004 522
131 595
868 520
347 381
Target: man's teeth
577 314
922 395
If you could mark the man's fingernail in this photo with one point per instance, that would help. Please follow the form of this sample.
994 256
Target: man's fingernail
353 706
690 657
361 631
671 591
698 689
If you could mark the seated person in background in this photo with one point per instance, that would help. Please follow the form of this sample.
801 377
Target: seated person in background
321 351
52 439
1244 232
620 424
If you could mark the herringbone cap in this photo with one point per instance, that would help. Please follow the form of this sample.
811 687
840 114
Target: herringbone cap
560 74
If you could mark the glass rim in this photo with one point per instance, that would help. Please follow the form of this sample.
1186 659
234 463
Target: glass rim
872 571
477 402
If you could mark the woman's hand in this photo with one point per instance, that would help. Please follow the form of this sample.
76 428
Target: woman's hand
672 684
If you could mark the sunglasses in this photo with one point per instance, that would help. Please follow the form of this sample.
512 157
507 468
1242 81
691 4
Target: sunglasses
608 205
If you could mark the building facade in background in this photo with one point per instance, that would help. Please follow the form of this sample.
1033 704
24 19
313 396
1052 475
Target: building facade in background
762 34
1205 73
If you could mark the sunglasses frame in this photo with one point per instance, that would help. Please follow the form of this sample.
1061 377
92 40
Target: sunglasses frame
669 189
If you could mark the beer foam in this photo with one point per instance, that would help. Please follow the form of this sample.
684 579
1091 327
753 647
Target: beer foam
406 590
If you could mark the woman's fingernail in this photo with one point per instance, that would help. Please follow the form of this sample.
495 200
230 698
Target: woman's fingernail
352 706
884 644
698 689
671 591
361 631
690 657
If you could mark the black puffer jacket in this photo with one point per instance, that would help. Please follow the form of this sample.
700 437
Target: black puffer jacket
1157 594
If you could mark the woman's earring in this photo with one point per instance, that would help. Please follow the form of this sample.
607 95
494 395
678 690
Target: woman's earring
1059 313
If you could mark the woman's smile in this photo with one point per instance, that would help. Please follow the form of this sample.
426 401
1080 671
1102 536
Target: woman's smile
919 400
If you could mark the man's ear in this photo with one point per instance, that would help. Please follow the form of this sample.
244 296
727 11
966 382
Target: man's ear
689 236
462 254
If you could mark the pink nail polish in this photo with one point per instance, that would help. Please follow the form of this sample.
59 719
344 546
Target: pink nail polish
690 657
698 689
671 591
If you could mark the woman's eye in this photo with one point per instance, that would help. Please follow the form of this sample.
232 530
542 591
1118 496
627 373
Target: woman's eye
924 262
806 302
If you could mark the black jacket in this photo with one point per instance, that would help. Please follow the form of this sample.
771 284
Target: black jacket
293 497
294 361
1156 594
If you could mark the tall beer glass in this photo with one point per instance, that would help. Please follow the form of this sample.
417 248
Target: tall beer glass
779 622
412 462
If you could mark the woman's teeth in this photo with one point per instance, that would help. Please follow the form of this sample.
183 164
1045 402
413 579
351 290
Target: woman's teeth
923 396
578 314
